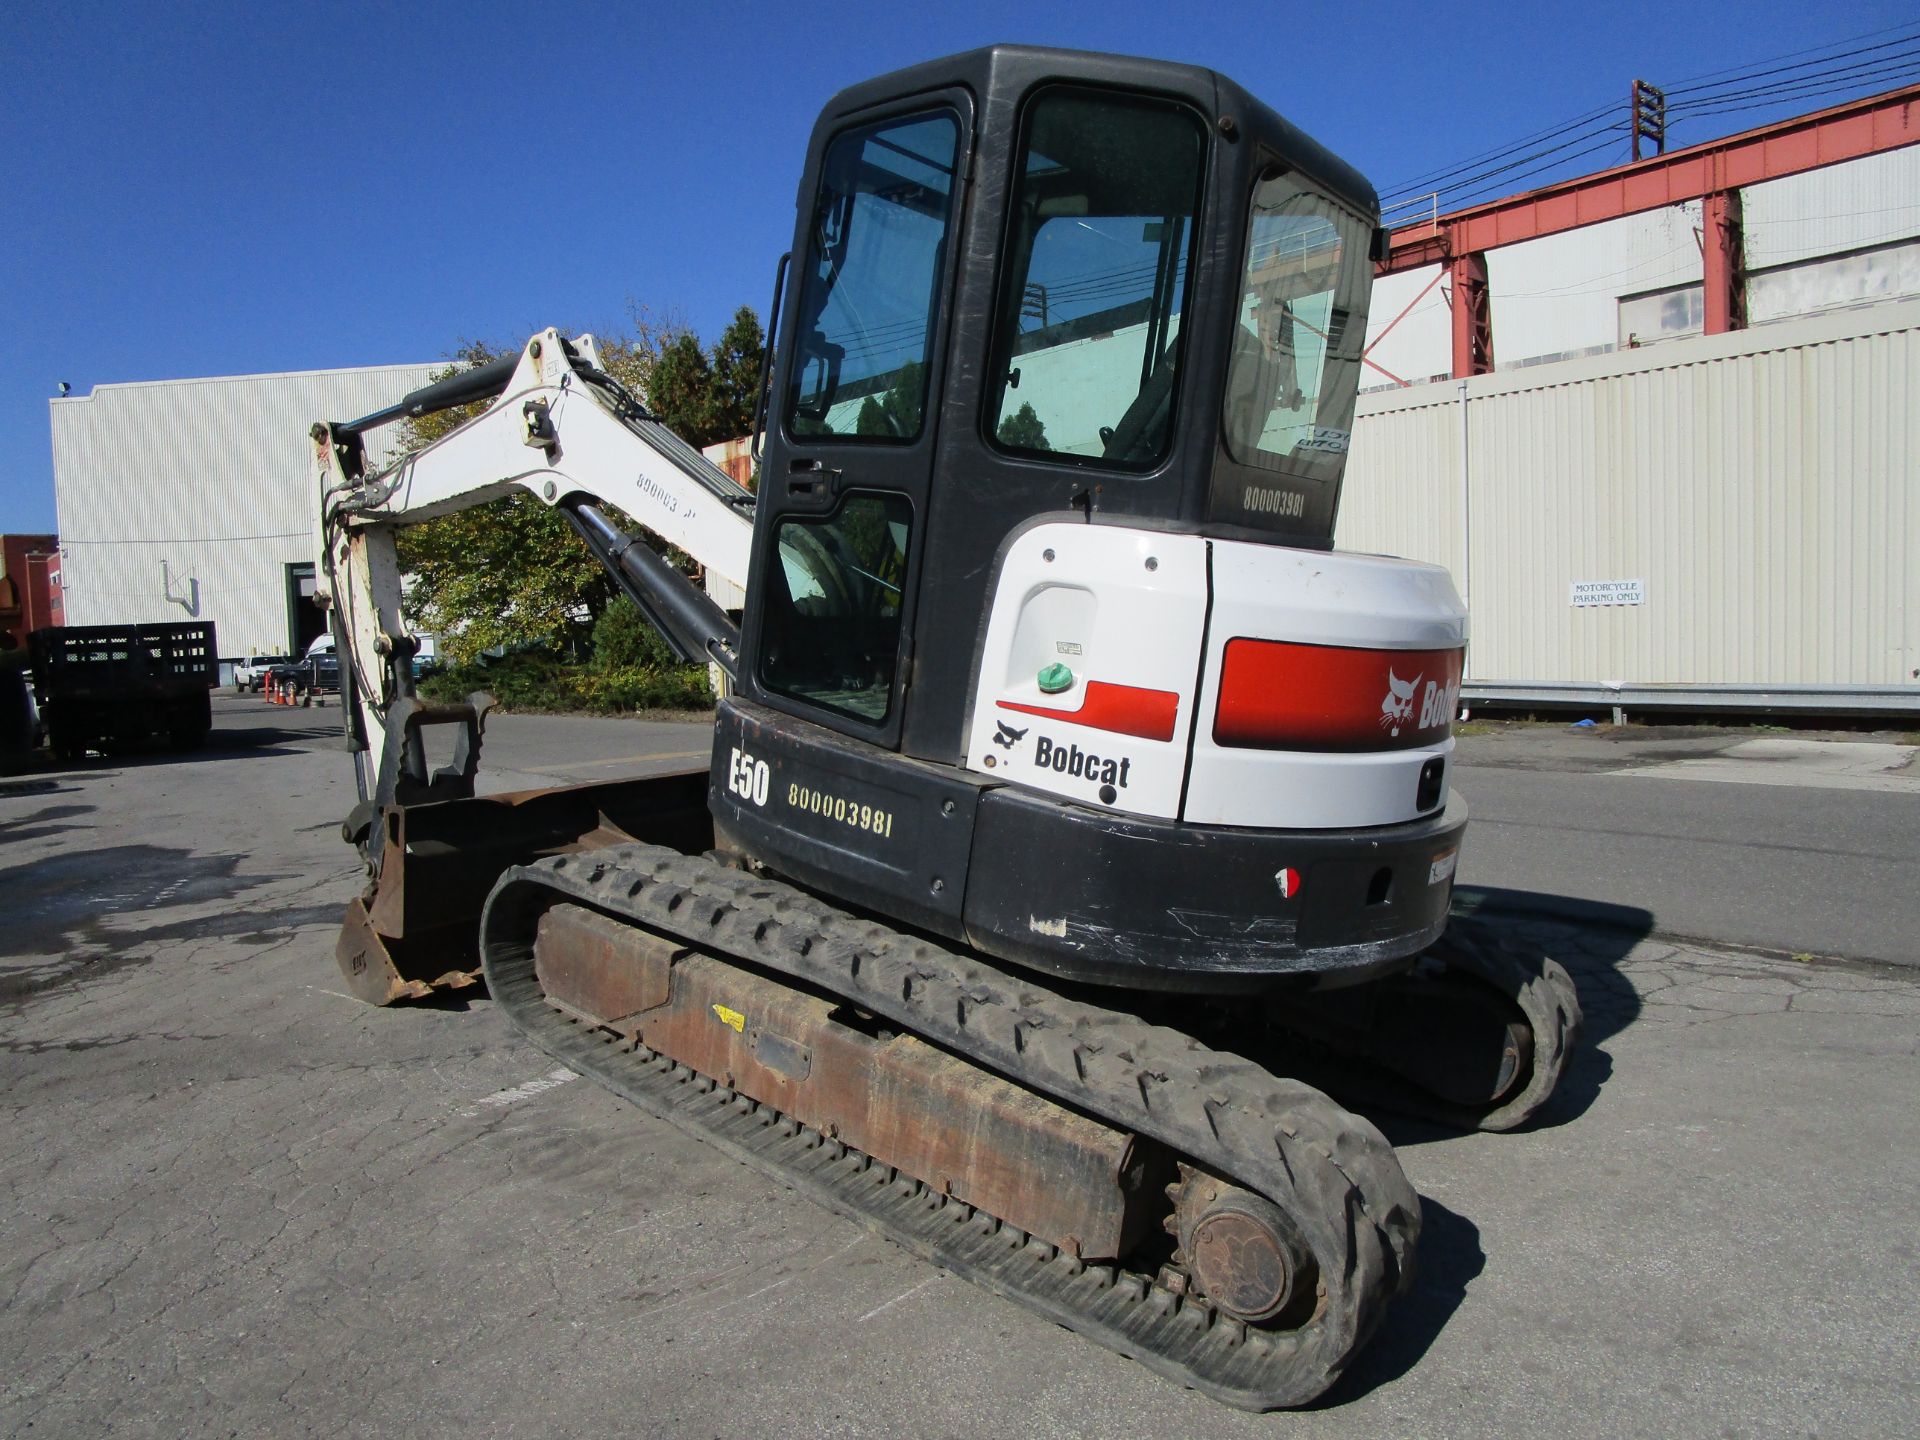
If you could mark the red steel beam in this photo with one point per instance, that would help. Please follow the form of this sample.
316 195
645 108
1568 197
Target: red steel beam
1790 147
1723 263
1472 316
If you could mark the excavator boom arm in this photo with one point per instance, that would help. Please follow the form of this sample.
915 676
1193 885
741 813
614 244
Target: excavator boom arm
562 430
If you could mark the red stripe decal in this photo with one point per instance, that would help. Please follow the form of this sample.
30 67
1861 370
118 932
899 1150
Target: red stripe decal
1120 709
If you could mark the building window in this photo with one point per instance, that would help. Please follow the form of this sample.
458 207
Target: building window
1662 315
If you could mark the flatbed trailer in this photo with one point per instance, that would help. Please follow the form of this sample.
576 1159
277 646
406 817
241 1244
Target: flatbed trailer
115 688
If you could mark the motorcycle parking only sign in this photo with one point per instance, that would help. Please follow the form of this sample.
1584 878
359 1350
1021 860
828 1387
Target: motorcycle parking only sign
1583 593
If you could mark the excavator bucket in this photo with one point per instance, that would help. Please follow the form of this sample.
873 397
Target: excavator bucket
414 932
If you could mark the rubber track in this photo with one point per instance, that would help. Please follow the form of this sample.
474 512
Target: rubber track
1538 985
1545 993
1330 1170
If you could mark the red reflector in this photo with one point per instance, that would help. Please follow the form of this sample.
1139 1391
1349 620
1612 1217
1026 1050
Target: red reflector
1120 709
1329 697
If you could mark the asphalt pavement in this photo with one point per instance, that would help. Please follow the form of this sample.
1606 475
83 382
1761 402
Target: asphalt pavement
1783 842
234 1201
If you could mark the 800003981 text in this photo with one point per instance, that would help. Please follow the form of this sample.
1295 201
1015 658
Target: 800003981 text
841 810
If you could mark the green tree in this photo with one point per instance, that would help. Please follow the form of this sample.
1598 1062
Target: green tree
705 396
738 357
623 639
897 412
1023 430
510 573
513 573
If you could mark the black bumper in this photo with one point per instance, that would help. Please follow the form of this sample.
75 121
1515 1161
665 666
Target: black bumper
1085 894
1159 905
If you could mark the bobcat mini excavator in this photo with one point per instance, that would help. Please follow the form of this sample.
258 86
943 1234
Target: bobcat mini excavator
1070 793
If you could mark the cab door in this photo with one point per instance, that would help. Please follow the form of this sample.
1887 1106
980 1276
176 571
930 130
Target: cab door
854 417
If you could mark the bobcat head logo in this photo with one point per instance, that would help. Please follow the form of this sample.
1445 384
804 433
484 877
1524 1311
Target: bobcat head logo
1398 705
1006 737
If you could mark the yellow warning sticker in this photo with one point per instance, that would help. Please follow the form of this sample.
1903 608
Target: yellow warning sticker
732 1018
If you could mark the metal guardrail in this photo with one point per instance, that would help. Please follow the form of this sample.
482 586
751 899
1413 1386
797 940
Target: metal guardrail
1849 700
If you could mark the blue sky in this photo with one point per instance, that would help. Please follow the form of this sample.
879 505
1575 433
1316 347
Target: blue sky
222 188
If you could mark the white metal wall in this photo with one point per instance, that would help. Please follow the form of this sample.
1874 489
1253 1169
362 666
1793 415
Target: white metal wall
1560 295
1764 486
187 499
1863 202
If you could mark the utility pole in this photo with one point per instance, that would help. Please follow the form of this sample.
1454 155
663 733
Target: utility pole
1649 117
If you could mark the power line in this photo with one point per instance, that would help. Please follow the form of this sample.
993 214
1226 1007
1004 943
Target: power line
1432 178
1691 88
1478 181
1832 67
1807 90
1772 102
1810 50
1474 196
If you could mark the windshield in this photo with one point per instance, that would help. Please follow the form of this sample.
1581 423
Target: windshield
1295 365
872 270
1095 283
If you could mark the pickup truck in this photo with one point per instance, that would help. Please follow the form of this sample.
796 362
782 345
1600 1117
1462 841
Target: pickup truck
250 673
317 674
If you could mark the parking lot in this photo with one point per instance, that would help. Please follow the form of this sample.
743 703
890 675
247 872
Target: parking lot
238 1202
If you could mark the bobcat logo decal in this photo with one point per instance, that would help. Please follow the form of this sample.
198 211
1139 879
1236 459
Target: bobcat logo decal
1006 737
1397 708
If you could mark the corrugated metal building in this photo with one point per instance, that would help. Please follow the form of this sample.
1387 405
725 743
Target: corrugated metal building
1645 513
1735 510
189 499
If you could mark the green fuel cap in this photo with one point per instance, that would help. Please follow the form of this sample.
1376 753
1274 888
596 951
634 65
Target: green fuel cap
1055 678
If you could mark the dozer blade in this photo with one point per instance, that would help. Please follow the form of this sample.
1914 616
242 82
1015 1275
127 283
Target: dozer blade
414 932
852 1062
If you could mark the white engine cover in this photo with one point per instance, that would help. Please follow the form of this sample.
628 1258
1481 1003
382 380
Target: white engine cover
1127 613
1123 610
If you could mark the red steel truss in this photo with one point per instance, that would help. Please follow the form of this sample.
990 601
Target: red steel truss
1711 172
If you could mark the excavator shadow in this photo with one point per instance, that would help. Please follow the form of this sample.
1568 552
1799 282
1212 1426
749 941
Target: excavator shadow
43 823
1591 940
1527 934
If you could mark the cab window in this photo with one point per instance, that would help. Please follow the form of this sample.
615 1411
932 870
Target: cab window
870 284
1100 246
1294 367
833 613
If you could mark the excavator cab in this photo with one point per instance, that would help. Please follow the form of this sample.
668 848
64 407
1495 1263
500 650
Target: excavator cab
1134 292
1069 355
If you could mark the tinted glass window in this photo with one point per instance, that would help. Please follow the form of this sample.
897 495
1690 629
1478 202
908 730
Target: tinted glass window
871 274
832 623
1096 277
1295 365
